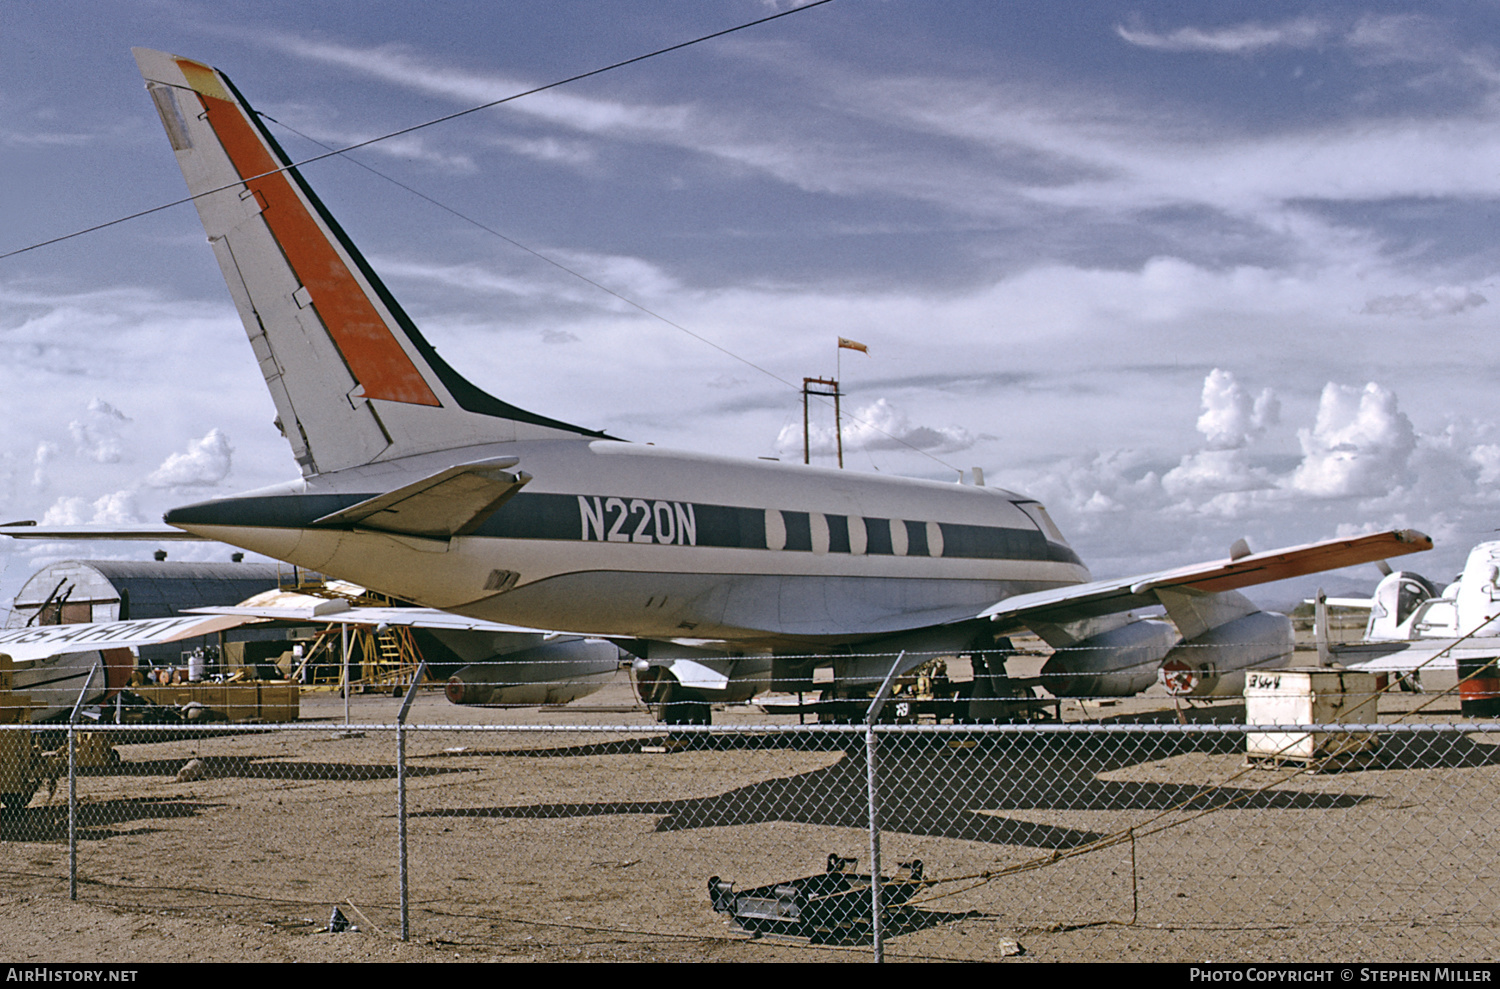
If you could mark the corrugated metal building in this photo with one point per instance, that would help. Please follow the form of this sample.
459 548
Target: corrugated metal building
73 591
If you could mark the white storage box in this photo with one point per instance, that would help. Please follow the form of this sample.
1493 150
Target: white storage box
1310 696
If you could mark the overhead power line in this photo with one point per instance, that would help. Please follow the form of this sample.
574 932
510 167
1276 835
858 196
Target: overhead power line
416 127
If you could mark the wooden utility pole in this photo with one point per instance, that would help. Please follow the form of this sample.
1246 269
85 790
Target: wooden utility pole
830 388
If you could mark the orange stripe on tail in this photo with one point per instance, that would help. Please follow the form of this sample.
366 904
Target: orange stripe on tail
375 357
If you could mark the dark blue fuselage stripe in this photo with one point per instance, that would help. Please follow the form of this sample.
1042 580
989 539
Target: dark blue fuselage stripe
558 516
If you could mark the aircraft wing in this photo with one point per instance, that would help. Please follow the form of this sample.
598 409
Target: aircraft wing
1102 597
322 614
153 531
44 641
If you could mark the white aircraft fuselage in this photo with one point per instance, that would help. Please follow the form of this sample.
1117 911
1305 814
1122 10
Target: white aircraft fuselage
633 540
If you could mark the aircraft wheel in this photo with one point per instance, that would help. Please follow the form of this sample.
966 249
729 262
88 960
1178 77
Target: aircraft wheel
670 702
683 707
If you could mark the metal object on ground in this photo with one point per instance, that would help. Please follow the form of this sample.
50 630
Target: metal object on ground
245 700
1478 687
831 907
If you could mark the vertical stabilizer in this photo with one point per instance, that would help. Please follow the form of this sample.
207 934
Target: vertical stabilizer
352 378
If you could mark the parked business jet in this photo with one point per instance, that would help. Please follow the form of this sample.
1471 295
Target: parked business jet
719 573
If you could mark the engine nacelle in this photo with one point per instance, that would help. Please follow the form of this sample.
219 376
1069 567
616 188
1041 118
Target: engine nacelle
705 675
1214 663
679 682
554 673
1116 663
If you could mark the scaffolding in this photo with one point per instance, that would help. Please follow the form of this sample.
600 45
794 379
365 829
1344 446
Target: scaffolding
368 659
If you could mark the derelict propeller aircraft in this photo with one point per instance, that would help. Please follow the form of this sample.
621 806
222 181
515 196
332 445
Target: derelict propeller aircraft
1416 626
722 574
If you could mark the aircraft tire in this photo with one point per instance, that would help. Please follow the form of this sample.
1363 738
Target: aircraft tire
686 708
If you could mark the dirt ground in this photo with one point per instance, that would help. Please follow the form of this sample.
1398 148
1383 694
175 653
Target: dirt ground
578 845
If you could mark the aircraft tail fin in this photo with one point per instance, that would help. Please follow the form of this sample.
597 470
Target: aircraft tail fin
352 378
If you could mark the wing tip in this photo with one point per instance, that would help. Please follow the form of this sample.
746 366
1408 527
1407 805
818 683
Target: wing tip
1418 540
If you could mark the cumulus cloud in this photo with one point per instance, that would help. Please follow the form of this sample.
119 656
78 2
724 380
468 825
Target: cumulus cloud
46 451
206 463
1230 421
1444 300
98 436
1363 467
1231 418
1487 457
1235 39
111 509
1104 484
1360 444
1214 472
880 426
116 508
1361 457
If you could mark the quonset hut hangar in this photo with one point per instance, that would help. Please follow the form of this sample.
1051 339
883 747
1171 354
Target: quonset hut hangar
72 591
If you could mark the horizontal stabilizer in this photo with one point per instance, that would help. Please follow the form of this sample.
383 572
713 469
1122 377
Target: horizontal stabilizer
1103 597
452 502
1404 657
153 531
1361 603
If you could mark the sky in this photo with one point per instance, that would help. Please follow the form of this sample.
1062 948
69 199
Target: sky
1185 273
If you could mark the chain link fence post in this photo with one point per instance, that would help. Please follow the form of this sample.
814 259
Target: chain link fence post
72 812
401 826
872 782
73 778
411 695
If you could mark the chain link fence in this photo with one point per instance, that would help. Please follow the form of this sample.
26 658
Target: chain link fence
1084 841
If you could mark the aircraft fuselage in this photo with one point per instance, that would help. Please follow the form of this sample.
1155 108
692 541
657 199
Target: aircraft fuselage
625 539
